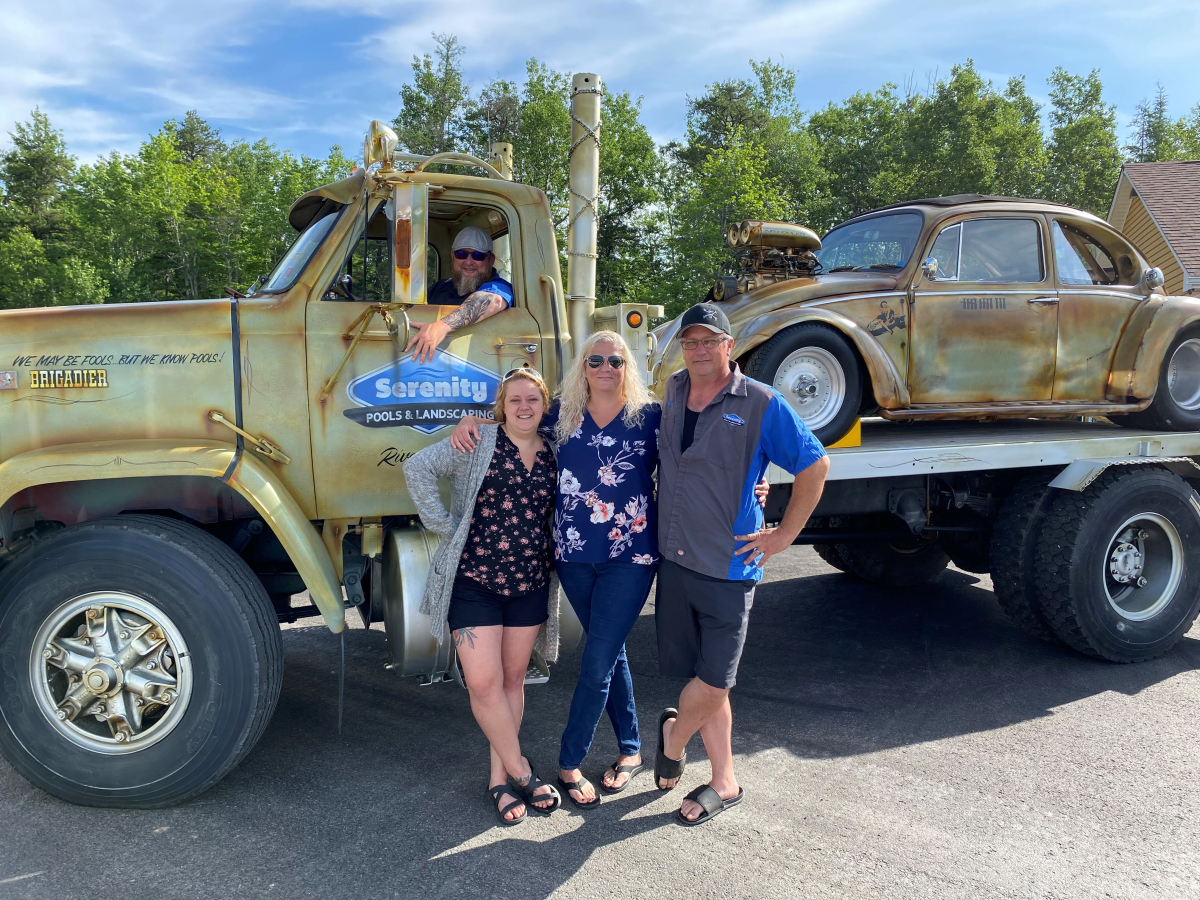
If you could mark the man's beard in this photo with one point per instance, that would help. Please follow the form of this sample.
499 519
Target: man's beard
467 284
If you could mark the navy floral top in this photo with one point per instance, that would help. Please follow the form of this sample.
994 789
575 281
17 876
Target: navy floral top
508 544
606 511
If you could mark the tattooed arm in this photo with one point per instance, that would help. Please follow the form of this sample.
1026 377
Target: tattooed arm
479 306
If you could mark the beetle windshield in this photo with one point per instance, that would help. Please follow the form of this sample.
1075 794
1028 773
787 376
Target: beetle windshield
884 242
298 255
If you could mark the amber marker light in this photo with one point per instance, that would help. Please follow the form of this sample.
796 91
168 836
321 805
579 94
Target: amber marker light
634 319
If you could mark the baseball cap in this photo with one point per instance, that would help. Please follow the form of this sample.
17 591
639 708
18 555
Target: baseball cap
708 315
472 238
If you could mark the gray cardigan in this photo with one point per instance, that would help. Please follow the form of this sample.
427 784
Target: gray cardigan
466 472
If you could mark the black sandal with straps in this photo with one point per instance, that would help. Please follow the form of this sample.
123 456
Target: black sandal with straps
619 770
526 792
579 785
503 790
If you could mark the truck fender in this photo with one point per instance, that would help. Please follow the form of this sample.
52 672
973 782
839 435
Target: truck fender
262 489
1079 474
891 392
1138 359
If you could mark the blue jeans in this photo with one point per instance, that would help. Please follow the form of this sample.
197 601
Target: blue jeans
607 597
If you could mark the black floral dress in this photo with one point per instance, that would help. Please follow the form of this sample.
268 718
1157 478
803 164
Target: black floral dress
508 547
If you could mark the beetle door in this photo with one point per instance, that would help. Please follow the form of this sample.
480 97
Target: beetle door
985 327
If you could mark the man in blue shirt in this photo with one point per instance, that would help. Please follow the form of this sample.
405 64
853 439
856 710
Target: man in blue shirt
719 432
474 287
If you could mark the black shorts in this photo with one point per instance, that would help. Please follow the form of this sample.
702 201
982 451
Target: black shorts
701 624
473 605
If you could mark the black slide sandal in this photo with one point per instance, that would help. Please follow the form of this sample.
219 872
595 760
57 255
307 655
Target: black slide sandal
503 790
712 803
664 766
631 771
525 792
579 785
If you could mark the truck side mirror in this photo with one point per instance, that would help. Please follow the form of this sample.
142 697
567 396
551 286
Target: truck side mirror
1153 278
410 236
929 268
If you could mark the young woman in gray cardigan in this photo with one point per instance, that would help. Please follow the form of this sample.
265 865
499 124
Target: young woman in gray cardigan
492 583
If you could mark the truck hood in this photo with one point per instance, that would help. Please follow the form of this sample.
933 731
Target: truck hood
795 292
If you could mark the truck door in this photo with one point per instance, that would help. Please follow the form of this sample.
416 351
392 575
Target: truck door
985 327
384 407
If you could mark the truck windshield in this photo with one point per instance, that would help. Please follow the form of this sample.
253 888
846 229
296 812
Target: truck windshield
884 242
298 255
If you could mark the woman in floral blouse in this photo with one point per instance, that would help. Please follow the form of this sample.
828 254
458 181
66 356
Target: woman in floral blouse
492 582
606 542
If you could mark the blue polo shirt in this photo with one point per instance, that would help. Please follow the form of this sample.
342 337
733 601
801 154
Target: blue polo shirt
706 494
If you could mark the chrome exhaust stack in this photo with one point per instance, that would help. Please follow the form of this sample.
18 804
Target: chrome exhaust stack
584 192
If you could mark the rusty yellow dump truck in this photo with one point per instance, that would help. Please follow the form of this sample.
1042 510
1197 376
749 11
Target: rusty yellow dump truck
172 475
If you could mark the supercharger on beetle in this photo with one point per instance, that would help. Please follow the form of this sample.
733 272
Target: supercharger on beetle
173 474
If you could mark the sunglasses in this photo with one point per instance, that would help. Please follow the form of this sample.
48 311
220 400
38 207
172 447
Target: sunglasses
595 362
524 372
477 255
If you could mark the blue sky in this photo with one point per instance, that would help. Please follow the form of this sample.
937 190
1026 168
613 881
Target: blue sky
310 73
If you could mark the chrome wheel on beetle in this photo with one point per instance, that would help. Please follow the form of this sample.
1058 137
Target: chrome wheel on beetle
814 384
111 672
814 368
1144 566
1183 375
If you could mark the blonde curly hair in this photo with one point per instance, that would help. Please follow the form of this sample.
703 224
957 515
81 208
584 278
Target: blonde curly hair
573 394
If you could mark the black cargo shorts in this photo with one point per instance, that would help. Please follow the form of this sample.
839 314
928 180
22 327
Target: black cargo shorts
701 623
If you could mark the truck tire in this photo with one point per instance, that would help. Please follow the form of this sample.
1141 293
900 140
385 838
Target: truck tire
1014 554
1176 405
140 660
815 370
1118 564
829 554
894 565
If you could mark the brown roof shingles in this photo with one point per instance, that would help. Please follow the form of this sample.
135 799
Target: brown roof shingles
1171 191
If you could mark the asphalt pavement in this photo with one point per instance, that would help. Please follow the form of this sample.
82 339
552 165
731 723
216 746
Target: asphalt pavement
892 743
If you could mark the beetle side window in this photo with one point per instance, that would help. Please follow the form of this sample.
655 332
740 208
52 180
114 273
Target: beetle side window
945 250
1080 259
1001 250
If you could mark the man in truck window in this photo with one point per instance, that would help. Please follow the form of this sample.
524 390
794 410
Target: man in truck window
719 431
474 286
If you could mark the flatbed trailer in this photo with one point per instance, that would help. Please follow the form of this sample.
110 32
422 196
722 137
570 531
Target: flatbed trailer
1090 531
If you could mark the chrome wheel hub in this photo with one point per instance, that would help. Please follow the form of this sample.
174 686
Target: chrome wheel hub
111 672
813 383
1183 375
1143 566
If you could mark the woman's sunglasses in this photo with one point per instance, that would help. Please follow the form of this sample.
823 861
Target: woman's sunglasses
595 362
477 255
524 372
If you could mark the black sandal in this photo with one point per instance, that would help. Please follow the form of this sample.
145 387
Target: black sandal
618 770
664 766
503 790
533 783
712 803
579 785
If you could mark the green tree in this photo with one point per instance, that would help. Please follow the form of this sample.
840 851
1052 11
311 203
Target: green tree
431 108
1084 158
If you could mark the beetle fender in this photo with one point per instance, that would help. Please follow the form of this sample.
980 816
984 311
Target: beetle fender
1139 356
888 384
250 478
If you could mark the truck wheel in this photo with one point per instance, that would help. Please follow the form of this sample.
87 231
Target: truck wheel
1119 564
816 371
1176 405
897 565
829 553
140 660
1013 554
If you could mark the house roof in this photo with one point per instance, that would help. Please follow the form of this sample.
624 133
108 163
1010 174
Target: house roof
1171 192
